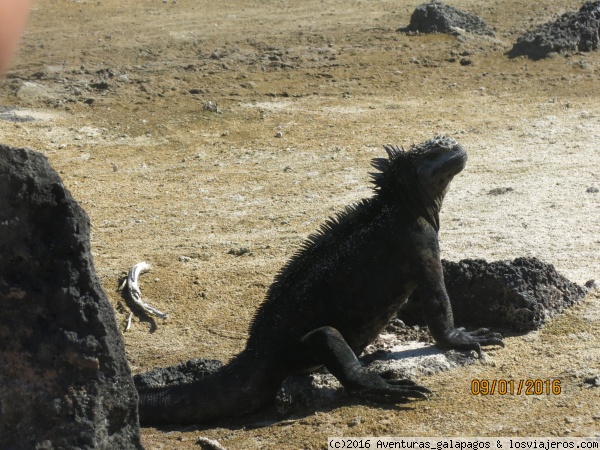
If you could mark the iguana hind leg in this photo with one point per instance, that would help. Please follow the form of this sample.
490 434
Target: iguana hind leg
327 346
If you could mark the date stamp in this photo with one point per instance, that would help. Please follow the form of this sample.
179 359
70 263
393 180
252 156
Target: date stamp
515 387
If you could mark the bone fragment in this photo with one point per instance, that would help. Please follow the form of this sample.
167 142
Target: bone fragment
134 289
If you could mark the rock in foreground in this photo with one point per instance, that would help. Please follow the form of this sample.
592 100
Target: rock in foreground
571 32
64 378
436 17
519 295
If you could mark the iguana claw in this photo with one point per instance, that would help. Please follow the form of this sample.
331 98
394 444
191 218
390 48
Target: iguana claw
372 386
459 339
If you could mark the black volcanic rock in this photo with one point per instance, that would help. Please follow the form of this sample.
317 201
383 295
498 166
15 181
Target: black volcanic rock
436 17
64 379
571 32
514 295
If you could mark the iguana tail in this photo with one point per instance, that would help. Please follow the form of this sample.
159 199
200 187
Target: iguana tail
237 388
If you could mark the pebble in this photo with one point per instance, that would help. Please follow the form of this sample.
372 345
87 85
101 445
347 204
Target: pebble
35 91
593 381
355 421
211 106
239 251
500 191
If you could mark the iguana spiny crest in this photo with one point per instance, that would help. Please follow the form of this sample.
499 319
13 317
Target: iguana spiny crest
421 175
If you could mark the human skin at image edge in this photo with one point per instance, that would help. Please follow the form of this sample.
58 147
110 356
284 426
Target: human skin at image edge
13 17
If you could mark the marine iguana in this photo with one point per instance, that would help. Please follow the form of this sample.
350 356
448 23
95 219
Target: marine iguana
337 293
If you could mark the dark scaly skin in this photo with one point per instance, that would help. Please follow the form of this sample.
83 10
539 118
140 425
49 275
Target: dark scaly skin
336 295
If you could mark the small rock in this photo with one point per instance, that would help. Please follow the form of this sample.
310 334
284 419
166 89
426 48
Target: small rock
216 54
593 381
592 190
299 394
279 134
211 106
436 17
355 421
205 256
100 85
184 259
35 92
465 62
239 251
49 73
500 191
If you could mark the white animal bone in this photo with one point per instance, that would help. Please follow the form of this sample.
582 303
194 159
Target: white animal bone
134 290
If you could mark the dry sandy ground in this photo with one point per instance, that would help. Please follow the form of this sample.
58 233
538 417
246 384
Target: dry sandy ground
114 93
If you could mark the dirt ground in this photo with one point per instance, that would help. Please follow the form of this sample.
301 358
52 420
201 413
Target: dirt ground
121 97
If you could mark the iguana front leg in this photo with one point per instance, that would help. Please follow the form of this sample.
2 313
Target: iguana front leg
438 310
327 346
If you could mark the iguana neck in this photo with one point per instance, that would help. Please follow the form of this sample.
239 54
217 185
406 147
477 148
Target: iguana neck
419 202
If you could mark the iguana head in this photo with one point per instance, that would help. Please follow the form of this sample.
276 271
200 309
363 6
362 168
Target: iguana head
437 161
421 176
